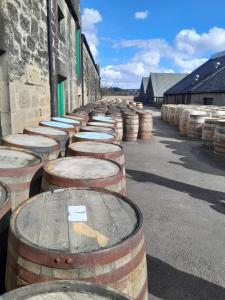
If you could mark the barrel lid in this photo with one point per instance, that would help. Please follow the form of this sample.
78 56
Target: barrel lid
66 120
101 124
89 220
221 122
57 124
64 290
93 135
81 167
95 147
45 130
13 158
30 141
97 128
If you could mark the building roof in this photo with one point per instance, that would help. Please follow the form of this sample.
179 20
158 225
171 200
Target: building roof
213 84
144 83
161 82
200 79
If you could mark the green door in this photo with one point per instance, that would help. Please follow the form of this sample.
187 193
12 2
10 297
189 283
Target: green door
61 110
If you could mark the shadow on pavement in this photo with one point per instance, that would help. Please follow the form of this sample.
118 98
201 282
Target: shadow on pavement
217 199
168 283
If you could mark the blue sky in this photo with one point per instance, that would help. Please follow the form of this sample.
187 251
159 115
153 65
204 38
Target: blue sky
130 39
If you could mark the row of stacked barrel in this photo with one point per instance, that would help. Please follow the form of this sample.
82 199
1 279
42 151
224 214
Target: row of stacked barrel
70 217
206 123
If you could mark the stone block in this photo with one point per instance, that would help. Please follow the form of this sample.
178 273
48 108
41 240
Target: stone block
33 75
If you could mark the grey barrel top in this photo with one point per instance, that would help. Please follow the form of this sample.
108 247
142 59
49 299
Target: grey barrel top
67 121
14 159
97 129
89 221
102 124
33 142
82 168
64 290
93 136
95 148
58 125
45 131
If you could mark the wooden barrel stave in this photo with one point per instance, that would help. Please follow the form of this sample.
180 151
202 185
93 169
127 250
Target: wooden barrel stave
145 125
94 136
122 267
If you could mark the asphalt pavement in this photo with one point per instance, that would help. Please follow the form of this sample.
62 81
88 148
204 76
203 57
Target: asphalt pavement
180 188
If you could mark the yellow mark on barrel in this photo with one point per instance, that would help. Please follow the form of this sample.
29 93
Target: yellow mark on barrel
86 230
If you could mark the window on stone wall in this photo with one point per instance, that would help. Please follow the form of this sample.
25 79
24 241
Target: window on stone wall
61 22
1 52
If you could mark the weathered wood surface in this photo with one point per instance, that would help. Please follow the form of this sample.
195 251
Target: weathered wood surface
219 138
100 150
107 248
47 148
5 212
102 119
102 124
58 135
64 290
61 126
81 171
145 125
83 120
98 129
94 136
131 127
208 131
17 168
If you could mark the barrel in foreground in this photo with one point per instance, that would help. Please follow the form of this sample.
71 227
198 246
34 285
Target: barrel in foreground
97 237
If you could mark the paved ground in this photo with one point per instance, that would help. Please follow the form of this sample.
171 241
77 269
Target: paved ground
180 188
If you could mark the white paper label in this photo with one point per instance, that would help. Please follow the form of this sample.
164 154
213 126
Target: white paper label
77 213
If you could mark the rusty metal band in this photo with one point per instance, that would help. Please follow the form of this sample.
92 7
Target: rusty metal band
144 291
105 279
34 149
108 155
14 172
54 259
96 183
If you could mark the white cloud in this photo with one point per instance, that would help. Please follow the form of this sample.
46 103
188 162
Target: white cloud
90 18
141 15
188 51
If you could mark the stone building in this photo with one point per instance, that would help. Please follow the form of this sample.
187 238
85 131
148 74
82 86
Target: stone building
40 61
158 84
90 74
205 85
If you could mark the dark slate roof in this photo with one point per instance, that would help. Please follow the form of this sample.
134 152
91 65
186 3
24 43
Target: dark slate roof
144 83
199 76
213 84
161 82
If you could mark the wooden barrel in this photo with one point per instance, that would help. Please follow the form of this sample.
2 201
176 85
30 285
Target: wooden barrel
64 290
109 120
145 125
74 123
17 168
208 131
139 105
97 237
81 171
83 121
47 148
98 129
94 136
178 113
102 124
184 121
58 135
5 212
130 126
100 150
196 122
69 129
219 138
171 112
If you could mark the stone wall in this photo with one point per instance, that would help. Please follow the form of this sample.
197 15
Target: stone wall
24 79
91 77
